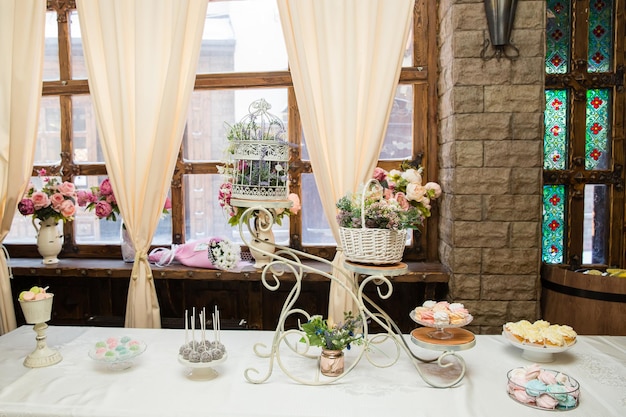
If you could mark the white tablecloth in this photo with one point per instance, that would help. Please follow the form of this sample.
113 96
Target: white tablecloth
157 385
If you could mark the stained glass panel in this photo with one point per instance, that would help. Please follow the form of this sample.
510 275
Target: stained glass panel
553 224
597 150
558 36
600 48
555 135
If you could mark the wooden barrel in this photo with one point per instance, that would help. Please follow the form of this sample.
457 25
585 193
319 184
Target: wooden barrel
591 304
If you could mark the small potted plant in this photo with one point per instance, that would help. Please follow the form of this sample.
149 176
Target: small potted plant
333 338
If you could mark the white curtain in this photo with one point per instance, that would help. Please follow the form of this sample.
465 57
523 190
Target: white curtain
22 24
141 58
345 58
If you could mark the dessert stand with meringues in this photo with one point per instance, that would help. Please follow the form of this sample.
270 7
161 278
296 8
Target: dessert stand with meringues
283 260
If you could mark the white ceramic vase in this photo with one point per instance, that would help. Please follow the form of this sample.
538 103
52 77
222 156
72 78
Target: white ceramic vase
49 240
128 250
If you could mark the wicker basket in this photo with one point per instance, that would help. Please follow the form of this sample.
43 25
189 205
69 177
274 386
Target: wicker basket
372 246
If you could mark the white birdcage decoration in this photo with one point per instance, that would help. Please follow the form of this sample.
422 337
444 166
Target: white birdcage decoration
260 155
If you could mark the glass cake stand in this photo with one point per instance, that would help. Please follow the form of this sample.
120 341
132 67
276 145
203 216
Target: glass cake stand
441 331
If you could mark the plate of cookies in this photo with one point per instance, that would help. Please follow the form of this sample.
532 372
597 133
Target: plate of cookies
539 340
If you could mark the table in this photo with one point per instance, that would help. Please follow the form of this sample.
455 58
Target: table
157 384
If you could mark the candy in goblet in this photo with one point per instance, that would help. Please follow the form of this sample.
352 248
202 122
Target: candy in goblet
38 312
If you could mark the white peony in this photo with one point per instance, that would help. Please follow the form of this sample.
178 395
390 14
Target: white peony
435 188
412 176
415 191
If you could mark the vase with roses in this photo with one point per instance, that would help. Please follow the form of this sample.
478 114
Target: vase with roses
55 202
102 201
373 222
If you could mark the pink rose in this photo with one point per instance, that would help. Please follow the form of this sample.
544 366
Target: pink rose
105 187
83 197
103 209
168 204
387 194
67 189
111 199
40 200
403 201
57 199
296 205
67 208
379 174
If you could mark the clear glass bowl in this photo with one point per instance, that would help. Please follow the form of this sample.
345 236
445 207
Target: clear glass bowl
117 352
549 390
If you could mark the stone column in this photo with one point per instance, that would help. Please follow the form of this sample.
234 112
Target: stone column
491 144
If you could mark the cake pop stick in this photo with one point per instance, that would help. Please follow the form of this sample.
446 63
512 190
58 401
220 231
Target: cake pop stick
193 327
186 326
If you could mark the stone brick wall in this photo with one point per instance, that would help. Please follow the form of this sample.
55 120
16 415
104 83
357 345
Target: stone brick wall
490 143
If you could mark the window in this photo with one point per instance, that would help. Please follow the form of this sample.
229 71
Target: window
242 59
583 194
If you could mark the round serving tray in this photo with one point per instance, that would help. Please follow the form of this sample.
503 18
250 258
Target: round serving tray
535 353
461 340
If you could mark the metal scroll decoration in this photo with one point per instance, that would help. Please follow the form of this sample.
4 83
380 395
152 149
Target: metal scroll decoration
288 260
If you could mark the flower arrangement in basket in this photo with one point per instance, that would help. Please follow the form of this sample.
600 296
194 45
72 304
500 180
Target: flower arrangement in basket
258 161
373 222
56 200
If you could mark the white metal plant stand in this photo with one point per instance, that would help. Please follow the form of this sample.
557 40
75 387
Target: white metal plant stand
285 259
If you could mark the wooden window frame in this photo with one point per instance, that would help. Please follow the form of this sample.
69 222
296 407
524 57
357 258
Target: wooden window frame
422 76
577 81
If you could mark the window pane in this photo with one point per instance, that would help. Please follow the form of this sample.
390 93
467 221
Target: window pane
315 227
399 136
407 59
596 224
79 70
242 36
600 48
48 148
89 229
211 110
51 71
597 149
553 224
86 139
556 134
558 37
204 218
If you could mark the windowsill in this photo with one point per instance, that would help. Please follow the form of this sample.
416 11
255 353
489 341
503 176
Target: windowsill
111 268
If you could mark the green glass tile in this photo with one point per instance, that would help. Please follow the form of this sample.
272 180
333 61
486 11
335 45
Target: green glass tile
558 36
600 38
597 146
555 135
553 224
